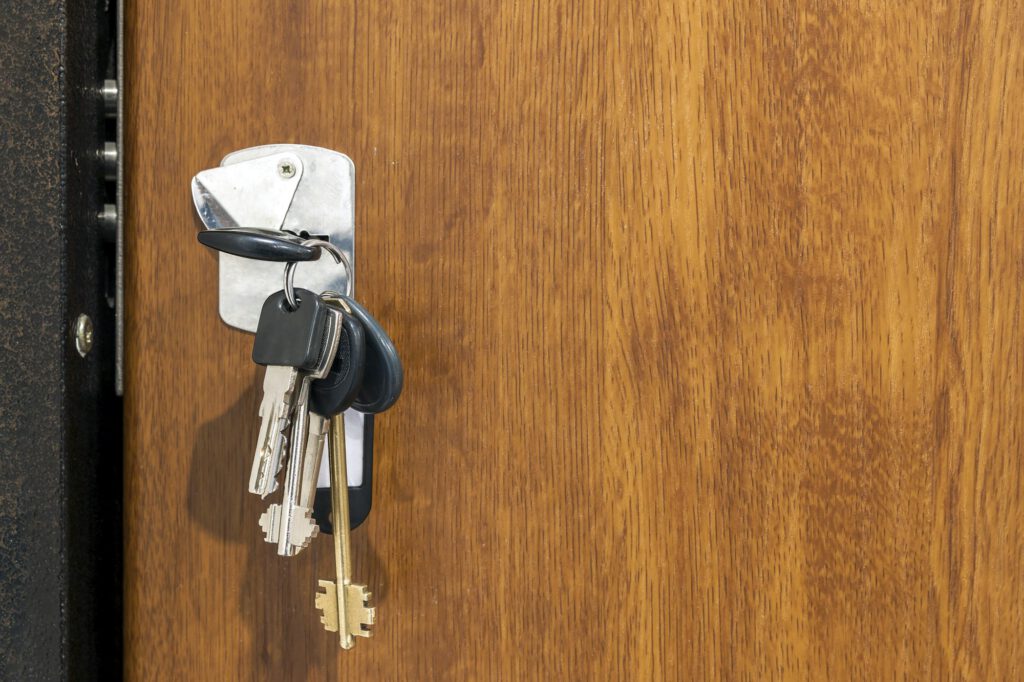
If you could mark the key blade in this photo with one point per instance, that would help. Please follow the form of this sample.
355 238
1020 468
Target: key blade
275 412
272 442
264 446
311 459
360 615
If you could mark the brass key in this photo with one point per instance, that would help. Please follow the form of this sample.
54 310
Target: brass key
344 606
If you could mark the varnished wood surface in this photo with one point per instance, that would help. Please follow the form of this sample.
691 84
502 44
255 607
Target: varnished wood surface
711 317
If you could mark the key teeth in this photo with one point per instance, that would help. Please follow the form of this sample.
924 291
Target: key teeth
265 484
270 521
304 528
361 616
327 603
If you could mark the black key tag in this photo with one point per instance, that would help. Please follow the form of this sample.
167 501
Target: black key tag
360 499
293 338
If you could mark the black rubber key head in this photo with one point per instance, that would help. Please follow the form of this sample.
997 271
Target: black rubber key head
383 376
294 338
259 244
335 392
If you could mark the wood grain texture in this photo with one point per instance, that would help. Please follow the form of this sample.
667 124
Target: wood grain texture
711 319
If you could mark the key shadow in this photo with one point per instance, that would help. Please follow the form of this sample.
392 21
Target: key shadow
275 594
220 466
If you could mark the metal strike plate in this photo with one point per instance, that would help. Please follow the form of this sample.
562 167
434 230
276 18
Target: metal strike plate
279 186
285 187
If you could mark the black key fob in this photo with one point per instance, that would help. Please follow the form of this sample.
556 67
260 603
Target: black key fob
383 376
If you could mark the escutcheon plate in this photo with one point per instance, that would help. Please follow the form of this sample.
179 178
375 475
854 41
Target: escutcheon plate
279 186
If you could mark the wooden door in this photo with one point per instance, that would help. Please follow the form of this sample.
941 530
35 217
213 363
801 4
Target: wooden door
711 319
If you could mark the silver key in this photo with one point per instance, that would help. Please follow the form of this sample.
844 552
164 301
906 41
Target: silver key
275 410
290 524
317 436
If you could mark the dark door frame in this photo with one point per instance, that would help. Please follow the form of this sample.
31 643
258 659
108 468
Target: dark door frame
60 420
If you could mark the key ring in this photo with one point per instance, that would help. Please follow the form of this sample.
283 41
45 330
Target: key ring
289 271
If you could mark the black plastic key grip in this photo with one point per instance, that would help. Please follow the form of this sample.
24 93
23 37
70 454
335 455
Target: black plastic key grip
259 244
294 338
335 392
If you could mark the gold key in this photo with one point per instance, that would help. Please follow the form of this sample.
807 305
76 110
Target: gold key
344 606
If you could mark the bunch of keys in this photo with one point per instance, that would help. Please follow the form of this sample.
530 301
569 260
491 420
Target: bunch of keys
324 353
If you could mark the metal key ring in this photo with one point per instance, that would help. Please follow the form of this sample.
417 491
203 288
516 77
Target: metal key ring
289 271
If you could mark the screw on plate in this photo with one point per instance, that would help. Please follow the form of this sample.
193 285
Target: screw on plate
83 334
286 169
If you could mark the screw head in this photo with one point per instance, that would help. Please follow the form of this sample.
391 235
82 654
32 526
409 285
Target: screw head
286 169
83 334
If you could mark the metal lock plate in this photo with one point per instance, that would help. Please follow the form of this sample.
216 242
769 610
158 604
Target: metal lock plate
284 187
281 187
